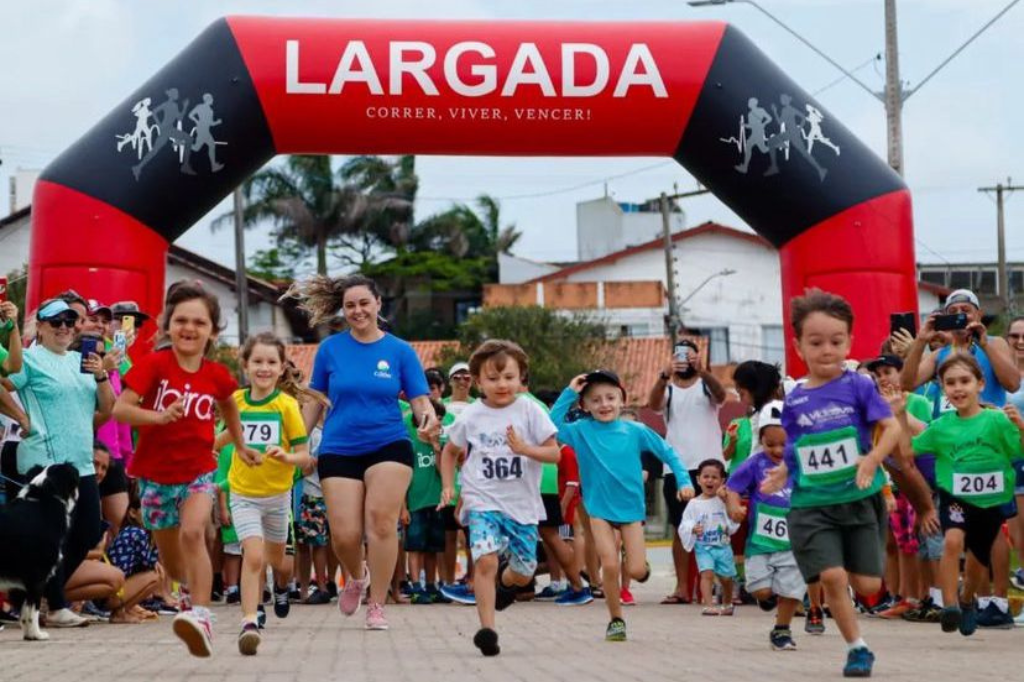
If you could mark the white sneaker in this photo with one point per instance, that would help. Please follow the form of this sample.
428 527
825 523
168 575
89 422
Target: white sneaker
65 618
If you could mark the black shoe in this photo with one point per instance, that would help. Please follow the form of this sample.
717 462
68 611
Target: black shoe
504 596
217 593
768 605
332 589
294 594
8 617
233 597
318 597
281 604
266 595
486 640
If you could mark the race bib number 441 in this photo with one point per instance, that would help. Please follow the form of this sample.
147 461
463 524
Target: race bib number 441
829 461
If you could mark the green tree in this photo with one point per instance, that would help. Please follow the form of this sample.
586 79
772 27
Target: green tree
275 264
308 206
462 231
559 346
17 288
391 181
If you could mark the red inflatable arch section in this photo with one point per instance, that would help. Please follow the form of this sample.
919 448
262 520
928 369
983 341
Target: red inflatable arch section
249 88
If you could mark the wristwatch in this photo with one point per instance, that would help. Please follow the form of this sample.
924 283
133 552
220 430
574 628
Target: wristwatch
105 377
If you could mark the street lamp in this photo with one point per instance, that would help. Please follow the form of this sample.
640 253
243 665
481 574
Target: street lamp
721 273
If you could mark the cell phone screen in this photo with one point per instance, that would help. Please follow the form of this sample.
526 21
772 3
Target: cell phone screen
907 321
90 345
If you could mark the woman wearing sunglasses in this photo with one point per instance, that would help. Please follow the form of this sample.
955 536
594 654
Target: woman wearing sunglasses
66 398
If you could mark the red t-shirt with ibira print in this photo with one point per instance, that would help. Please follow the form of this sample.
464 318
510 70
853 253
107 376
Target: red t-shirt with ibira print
182 451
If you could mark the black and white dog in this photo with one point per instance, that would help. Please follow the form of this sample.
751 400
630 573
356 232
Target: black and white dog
32 530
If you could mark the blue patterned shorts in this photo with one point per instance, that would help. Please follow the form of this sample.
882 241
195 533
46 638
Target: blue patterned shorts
161 503
491 532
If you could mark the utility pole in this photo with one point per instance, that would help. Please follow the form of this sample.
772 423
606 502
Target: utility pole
241 282
1004 281
672 323
893 90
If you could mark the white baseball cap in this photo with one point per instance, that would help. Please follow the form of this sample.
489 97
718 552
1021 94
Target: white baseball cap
963 296
458 367
770 415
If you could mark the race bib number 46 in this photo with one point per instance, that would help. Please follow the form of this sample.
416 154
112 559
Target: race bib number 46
976 485
770 527
831 461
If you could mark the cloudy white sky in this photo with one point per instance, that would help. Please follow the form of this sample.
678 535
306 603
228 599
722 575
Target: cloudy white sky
65 63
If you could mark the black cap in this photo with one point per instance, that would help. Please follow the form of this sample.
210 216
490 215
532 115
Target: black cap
885 361
603 376
125 308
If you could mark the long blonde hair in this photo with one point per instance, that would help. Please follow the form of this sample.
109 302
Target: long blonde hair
322 297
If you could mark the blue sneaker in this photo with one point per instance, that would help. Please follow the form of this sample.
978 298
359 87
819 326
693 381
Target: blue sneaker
459 594
420 596
859 662
995 618
573 597
549 593
969 620
1018 579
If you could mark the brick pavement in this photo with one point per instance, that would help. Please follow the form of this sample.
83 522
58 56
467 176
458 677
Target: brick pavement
539 642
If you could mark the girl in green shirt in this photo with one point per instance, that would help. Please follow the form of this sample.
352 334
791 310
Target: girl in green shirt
974 448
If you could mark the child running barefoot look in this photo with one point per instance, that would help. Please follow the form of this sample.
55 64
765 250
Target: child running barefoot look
261 490
611 476
772 574
505 439
170 397
705 530
837 521
974 448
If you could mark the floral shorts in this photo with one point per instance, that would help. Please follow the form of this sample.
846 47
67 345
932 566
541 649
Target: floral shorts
902 522
491 532
161 503
311 526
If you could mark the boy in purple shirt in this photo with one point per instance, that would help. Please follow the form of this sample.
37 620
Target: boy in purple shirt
773 576
837 521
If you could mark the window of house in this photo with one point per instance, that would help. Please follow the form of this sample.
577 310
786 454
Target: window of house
934 277
773 344
985 282
1017 281
960 279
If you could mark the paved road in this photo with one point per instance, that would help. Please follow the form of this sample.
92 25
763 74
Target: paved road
540 642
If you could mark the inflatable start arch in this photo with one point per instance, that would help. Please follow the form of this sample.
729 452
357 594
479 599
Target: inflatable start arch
248 88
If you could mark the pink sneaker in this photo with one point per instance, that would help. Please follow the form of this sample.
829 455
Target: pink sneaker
626 597
193 628
351 597
375 619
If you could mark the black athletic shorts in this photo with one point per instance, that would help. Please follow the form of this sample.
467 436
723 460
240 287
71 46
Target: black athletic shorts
355 466
672 504
980 525
553 509
448 517
116 481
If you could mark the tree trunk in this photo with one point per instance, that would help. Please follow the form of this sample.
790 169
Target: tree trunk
321 253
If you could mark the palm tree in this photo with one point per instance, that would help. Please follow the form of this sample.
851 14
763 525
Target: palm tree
308 207
394 181
461 231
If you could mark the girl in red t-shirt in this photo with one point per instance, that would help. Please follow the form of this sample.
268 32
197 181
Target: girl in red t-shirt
169 396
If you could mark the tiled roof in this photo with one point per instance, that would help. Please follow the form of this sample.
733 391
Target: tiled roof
638 361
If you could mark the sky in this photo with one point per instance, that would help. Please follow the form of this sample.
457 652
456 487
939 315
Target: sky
65 63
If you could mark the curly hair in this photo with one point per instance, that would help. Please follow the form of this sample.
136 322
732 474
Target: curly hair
322 297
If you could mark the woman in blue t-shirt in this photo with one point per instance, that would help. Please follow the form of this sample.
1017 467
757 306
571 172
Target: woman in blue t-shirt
65 397
365 461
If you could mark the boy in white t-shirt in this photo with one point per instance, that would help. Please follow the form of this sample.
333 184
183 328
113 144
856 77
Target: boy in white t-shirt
505 439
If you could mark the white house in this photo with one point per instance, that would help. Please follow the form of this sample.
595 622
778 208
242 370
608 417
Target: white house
605 226
265 313
728 286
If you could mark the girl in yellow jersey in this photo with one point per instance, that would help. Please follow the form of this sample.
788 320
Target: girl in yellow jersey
261 493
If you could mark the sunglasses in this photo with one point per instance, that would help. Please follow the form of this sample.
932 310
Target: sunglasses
59 322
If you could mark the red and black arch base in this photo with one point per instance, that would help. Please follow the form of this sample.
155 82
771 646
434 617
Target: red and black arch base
249 88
